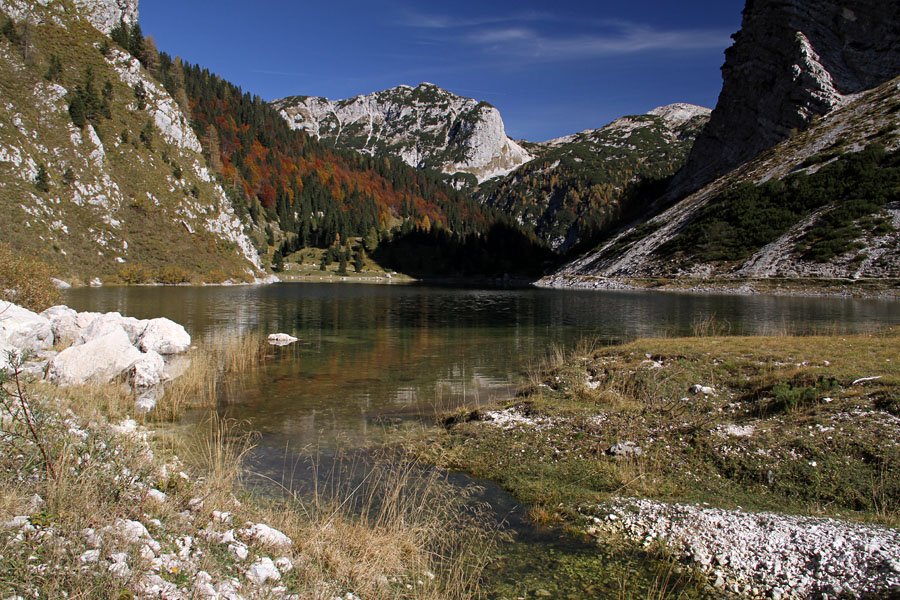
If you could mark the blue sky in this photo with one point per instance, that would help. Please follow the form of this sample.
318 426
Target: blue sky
552 68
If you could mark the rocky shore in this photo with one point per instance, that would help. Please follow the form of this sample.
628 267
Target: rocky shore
94 503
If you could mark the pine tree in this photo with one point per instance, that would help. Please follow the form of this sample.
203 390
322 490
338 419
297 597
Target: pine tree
277 262
54 71
140 94
77 110
42 179
359 260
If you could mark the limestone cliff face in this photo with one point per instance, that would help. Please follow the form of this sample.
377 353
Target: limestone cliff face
102 14
425 126
792 61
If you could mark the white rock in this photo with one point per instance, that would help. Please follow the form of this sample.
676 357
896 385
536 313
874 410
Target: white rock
157 496
63 324
702 389
267 536
60 284
165 337
286 565
24 329
238 550
281 339
95 282
262 571
99 360
100 326
147 371
222 517
90 556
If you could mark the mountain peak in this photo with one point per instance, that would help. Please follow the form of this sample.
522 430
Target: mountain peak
426 126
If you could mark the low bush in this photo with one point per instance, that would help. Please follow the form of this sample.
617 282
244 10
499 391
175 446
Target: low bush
26 281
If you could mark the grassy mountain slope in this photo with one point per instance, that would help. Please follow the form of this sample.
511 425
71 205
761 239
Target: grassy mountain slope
126 196
582 184
823 204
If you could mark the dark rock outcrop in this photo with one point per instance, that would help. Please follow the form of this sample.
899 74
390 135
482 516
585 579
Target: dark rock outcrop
792 61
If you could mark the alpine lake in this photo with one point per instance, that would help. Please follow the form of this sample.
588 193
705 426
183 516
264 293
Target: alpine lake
375 362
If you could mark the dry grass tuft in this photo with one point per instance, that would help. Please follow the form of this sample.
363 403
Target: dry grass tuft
198 385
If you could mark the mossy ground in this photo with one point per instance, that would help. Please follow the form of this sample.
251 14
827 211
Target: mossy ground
786 429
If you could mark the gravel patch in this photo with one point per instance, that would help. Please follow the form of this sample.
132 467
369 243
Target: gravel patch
763 554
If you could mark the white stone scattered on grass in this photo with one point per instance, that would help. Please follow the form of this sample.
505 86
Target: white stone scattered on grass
223 517
89 556
262 571
265 535
284 564
238 550
157 496
702 389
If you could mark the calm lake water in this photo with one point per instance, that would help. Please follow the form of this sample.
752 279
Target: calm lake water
374 358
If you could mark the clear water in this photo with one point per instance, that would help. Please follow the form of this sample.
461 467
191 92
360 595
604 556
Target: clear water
374 359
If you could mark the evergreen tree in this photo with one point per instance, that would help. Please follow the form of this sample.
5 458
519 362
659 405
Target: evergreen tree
54 71
342 265
359 260
77 111
140 94
121 35
277 262
147 134
42 179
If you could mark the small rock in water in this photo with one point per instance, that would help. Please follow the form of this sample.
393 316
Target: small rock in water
281 339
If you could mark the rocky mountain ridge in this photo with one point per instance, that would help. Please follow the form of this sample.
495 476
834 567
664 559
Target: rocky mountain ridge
104 15
426 126
793 61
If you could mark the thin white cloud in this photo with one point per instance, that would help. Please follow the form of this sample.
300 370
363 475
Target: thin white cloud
419 20
515 35
632 39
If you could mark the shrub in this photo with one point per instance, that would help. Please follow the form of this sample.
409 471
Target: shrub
26 281
172 275
134 274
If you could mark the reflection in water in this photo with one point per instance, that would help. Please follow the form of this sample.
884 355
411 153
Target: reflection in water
371 355
374 358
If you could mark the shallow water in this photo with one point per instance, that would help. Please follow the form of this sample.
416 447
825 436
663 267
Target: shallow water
373 360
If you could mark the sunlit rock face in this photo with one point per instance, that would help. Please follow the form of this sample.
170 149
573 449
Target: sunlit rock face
426 126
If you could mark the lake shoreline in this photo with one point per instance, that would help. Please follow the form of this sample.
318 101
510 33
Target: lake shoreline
842 288
727 454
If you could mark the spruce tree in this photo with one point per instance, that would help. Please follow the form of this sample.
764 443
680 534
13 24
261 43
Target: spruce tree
77 110
42 179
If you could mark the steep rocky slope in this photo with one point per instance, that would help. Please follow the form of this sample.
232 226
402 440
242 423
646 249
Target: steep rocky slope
426 126
792 61
582 183
853 235
126 191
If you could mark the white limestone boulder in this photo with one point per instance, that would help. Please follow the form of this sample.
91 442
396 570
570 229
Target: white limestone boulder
24 329
63 323
147 371
99 360
102 324
165 337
